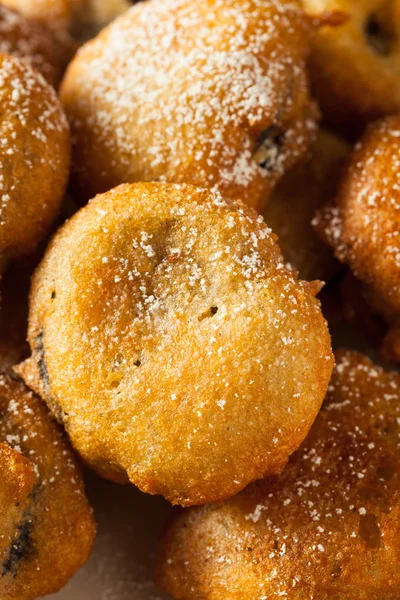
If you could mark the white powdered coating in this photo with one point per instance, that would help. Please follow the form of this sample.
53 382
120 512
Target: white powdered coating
171 89
24 436
363 225
329 515
26 40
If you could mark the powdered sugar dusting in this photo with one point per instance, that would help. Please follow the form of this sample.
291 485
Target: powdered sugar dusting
175 92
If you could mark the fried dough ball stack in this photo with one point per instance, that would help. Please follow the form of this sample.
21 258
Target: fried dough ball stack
327 527
46 525
363 225
355 68
33 42
34 159
294 201
212 94
208 360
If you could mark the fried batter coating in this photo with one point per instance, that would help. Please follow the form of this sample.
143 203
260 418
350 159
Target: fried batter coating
363 225
175 346
293 203
354 68
208 93
33 42
327 528
46 525
34 163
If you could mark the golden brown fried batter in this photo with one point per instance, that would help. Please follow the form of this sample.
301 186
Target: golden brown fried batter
354 68
363 225
327 528
35 151
209 93
33 42
46 525
174 345
293 203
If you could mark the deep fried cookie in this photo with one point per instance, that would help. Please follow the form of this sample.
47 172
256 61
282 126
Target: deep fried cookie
34 158
363 224
294 201
175 347
354 68
214 94
327 528
46 525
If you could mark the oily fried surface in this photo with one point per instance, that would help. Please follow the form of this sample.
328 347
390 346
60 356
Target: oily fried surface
209 93
208 360
363 224
294 201
327 528
30 40
35 148
354 67
46 526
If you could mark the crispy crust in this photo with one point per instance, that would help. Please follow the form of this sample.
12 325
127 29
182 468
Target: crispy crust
35 158
327 527
33 42
47 525
362 225
212 94
294 201
354 67
208 360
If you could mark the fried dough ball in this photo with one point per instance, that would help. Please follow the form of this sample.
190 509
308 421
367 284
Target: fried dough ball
363 225
46 525
208 93
34 161
354 68
208 360
327 528
294 201
33 42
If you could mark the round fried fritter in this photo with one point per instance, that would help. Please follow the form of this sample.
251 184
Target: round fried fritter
363 225
209 93
174 345
34 161
355 68
33 42
46 525
293 203
327 528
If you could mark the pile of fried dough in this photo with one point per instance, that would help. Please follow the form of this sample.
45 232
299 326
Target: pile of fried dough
195 195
